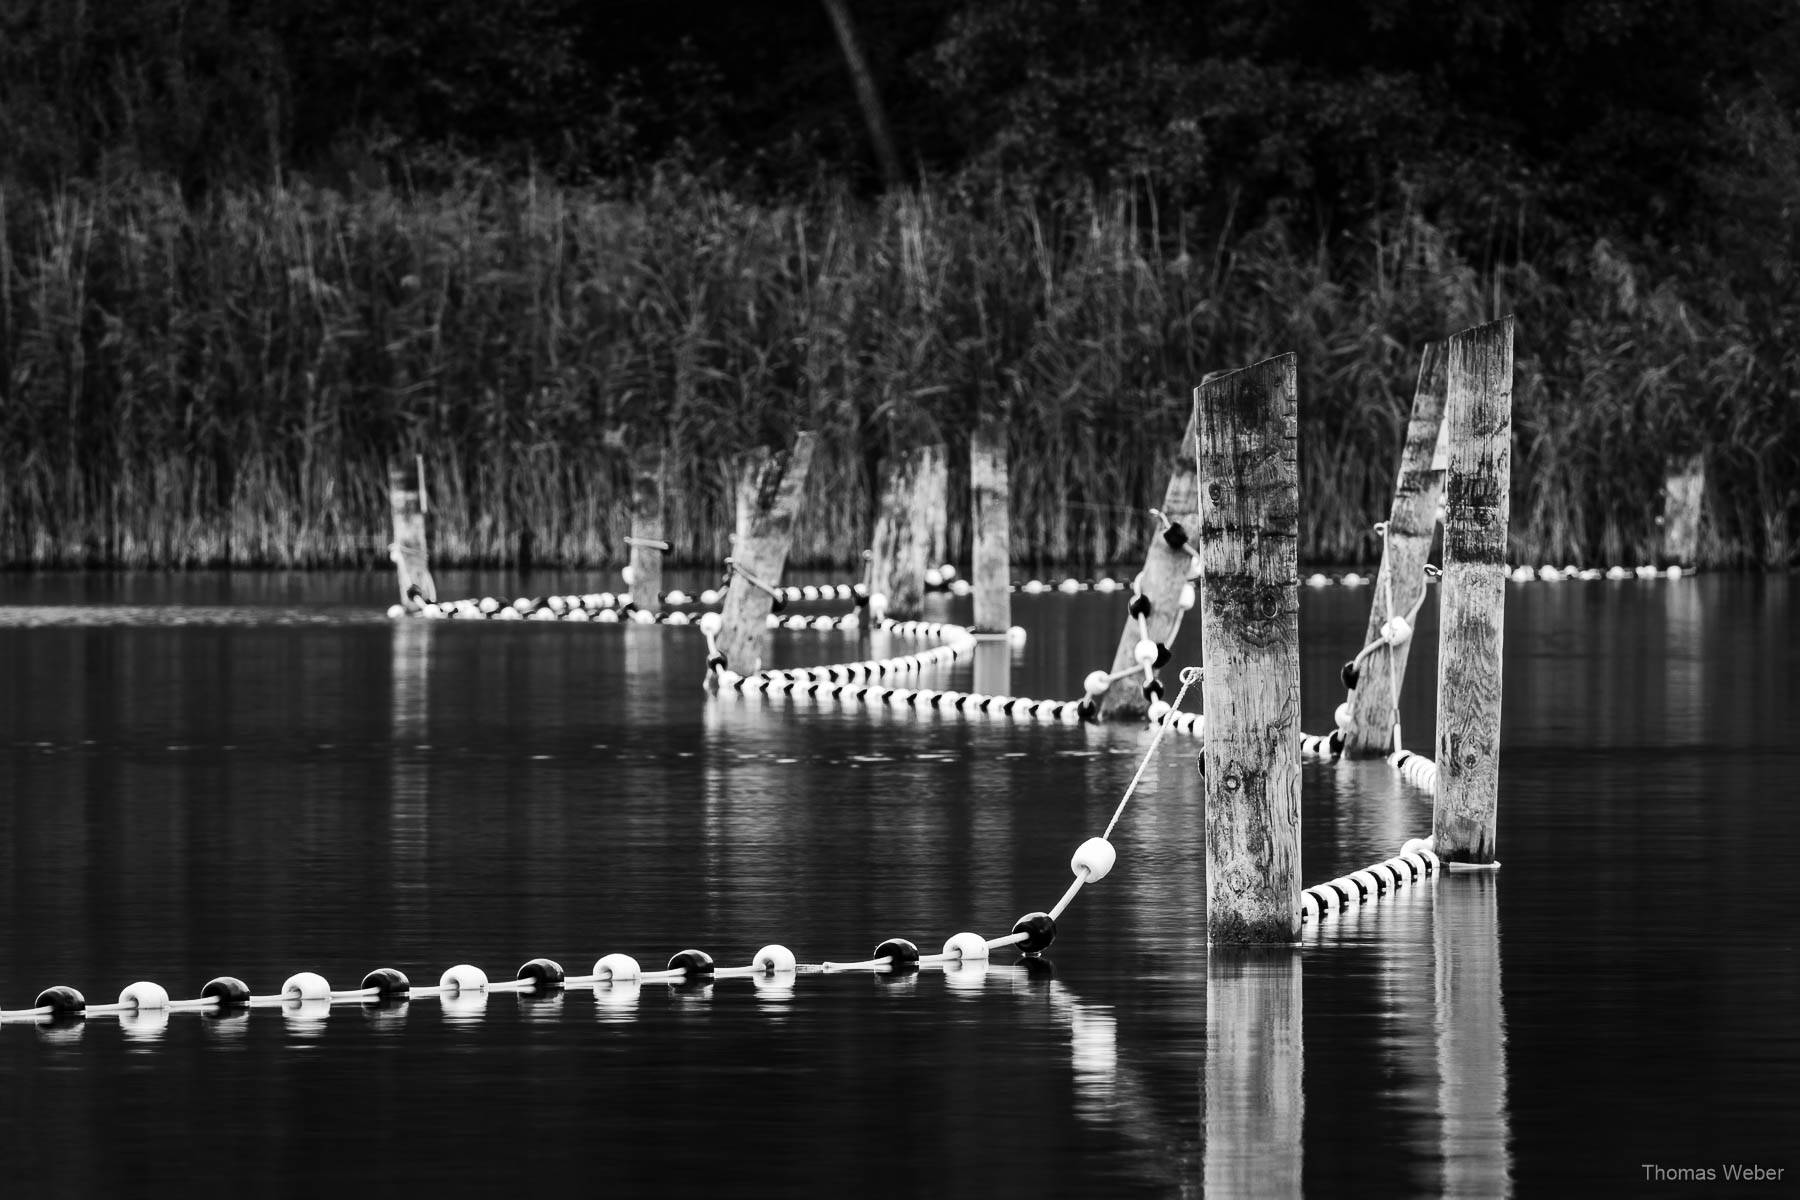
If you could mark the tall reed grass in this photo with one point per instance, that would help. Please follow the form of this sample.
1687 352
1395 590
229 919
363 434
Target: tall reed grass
224 384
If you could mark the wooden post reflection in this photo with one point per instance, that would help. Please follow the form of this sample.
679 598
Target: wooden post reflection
408 786
1253 1099
993 667
1471 1028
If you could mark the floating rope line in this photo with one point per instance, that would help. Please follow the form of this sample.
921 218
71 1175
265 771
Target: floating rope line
594 603
1189 677
1415 863
1032 934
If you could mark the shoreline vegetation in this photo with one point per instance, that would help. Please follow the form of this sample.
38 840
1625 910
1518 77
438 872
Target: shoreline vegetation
221 383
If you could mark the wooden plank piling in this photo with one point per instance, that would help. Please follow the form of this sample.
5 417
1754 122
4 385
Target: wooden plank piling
1472 598
406 503
1411 528
1684 491
913 484
649 479
991 514
1165 572
769 487
1249 627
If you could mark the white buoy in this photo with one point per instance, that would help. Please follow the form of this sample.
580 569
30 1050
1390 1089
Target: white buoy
967 947
463 978
618 968
306 986
1093 859
774 959
145 995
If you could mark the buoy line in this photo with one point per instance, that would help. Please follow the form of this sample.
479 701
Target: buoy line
873 682
1031 934
1416 863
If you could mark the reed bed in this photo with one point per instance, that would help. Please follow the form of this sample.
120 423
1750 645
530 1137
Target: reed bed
224 384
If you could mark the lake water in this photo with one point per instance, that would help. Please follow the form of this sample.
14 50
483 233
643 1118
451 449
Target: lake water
257 774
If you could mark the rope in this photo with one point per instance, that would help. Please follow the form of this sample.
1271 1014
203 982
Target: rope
733 567
1189 677
1415 862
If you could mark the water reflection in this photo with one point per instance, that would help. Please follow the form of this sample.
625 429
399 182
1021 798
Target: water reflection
1094 1047
1471 1037
1254 1103
145 1024
409 782
306 1018
993 667
617 1003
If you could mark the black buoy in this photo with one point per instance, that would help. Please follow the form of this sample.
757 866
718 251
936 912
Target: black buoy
232 993
901 954
693 962
390 983
1040 931
61 1001
545 972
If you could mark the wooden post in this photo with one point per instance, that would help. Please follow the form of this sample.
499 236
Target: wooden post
406 501
912 487
1683 492
1253 1095
768 497
1165 571
1250 636
648 548
989 508
1472 598
1411 528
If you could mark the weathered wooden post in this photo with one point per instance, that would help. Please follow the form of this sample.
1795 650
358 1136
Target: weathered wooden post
912 487
1250 636
407 503
1166 565
1472 597
1411 528
1684 491
769 487
1254 1099
991 515
649 478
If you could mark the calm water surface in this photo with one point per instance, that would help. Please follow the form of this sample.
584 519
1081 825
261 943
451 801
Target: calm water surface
256 775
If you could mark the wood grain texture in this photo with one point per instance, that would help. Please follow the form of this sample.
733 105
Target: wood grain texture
1165 571
768 497
1250 633
1473 593
408 547
1412 524
912 499
1684 493
649 476
991 514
